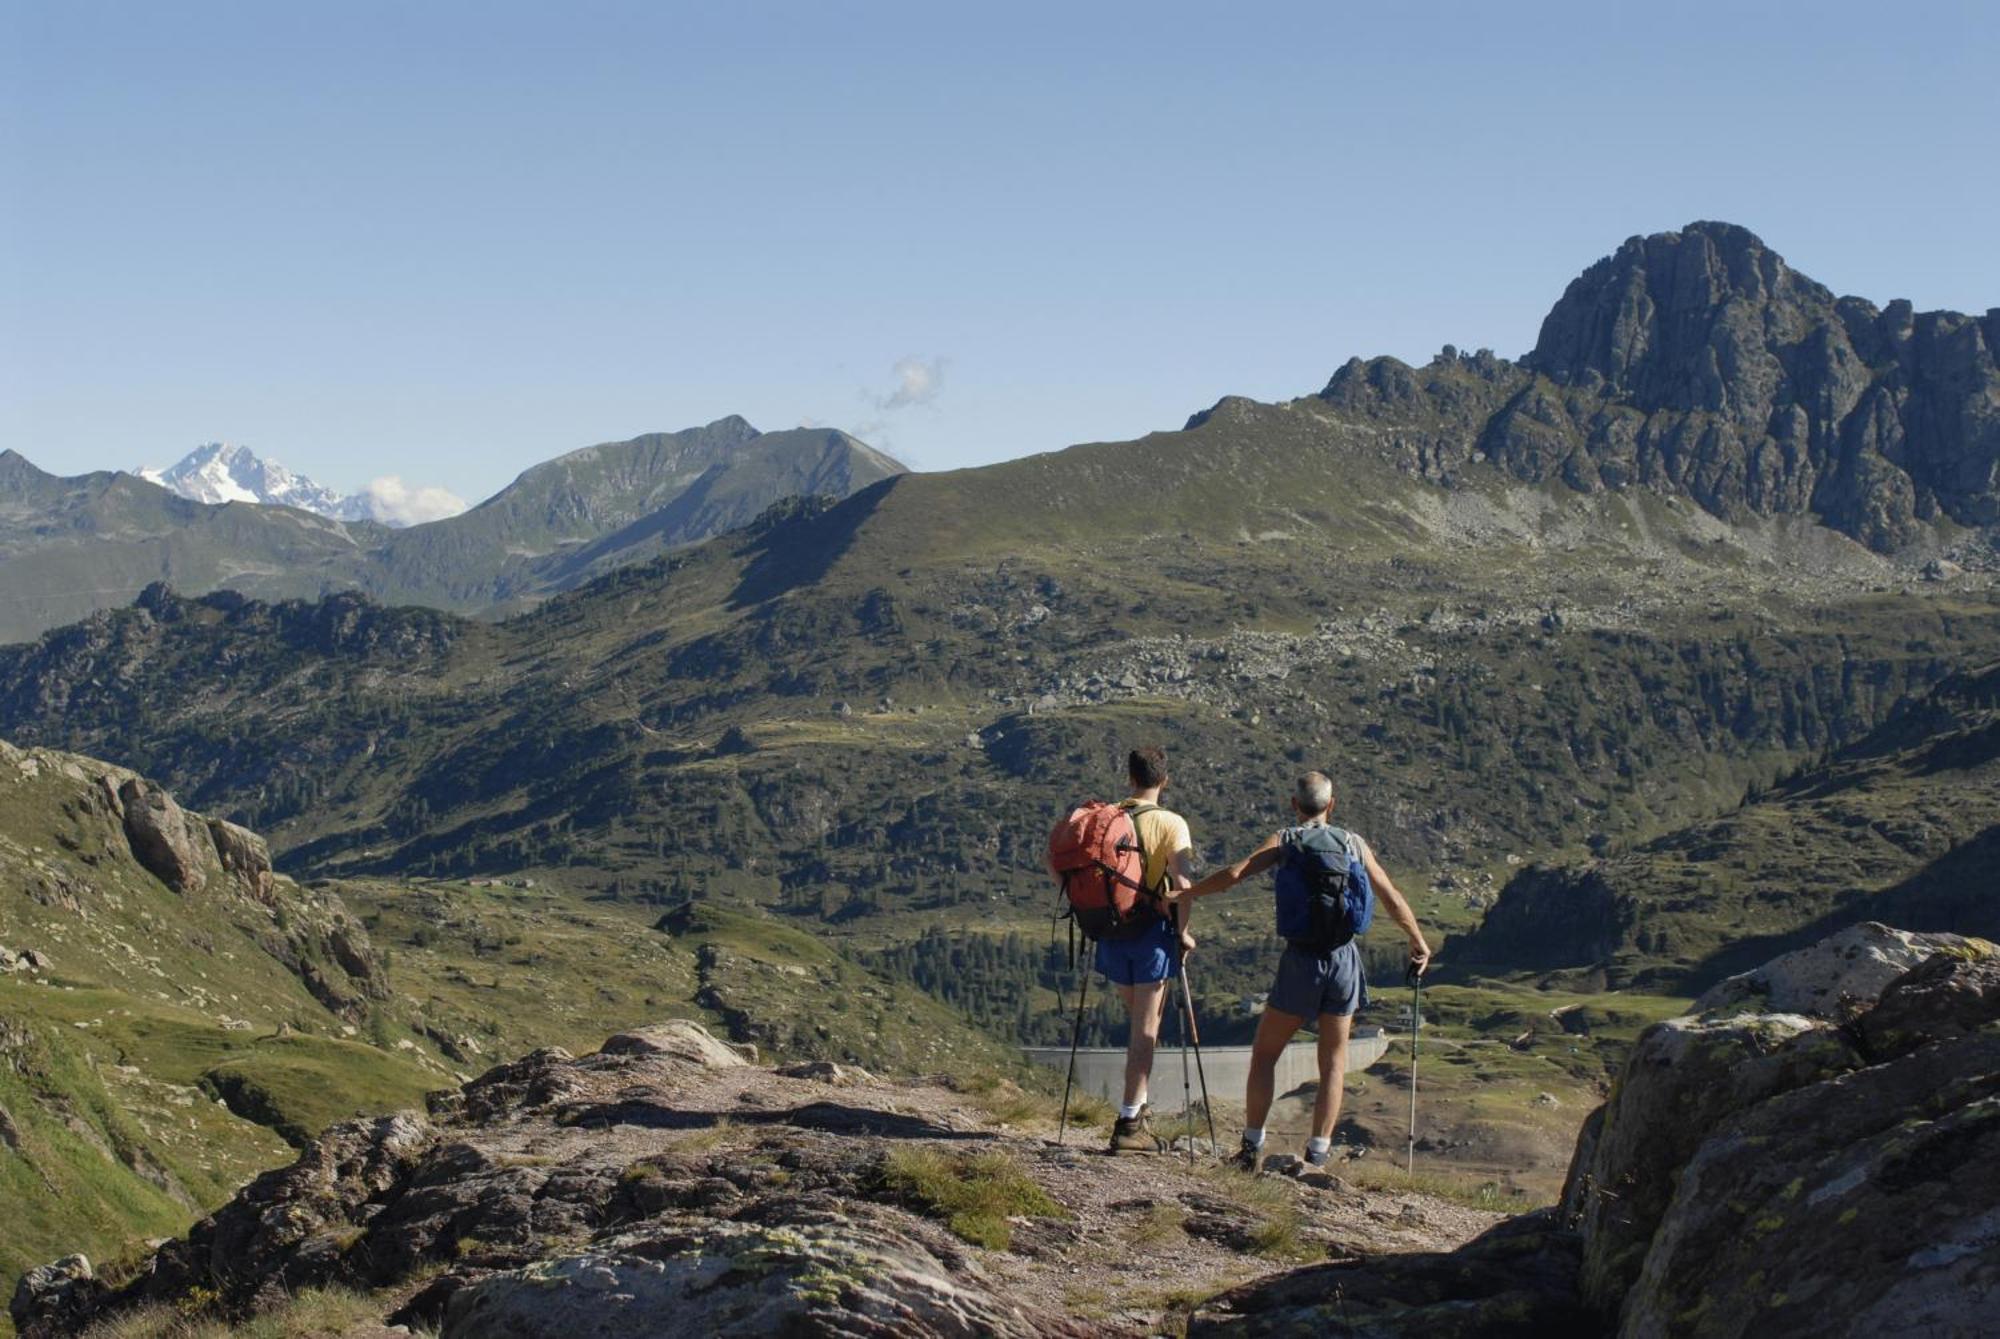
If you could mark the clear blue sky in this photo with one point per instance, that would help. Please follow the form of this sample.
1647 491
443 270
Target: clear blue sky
448 240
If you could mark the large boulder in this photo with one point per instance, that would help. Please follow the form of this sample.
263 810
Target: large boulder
244 855
1684 1077
57 1294
171 846
677 1039
1773 1174
1953 994
1834 977
1868 1204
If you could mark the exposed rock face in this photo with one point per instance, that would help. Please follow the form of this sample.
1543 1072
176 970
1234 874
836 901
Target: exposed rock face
1870 1202
163 839
1699 359
1698 362
818 1271
677 1039
56 1294
665 1186
1684 1077
1954 994
1850 967
245 855
1787 1174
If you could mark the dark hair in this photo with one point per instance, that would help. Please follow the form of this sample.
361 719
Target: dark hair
1147 766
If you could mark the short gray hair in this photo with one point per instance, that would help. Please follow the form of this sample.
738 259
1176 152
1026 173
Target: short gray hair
1313 793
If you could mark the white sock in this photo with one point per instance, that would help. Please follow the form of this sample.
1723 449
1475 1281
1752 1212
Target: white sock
1254 1138
1318 1145
1128 1112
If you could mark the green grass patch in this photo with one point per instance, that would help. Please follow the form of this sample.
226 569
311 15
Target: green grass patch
300 1085
1472 1191
975 1194
317 1313
1280 1231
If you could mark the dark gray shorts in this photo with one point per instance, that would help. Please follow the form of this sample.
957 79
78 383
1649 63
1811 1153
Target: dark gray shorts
1311 984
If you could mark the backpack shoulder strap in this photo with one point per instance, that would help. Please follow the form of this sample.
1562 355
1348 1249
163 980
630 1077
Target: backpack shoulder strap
1133 809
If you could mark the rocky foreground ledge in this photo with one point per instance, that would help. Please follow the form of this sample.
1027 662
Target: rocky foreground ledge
1817 1152
668 1185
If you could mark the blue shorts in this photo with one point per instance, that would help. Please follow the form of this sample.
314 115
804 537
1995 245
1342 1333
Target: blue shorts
1141 961
1311 984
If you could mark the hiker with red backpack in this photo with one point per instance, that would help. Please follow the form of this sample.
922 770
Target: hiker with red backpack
1327 882
1117 864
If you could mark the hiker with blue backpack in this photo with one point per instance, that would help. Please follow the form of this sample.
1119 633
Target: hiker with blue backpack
1327 882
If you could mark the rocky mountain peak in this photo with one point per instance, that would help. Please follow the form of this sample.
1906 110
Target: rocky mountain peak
1699 362
1688 320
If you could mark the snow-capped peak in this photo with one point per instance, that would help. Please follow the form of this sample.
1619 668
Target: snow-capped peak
220 472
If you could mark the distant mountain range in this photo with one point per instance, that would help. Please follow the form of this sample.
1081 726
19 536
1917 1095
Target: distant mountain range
224 518
219 473
1527 611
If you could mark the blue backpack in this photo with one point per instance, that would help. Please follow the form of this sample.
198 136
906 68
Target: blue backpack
1324 897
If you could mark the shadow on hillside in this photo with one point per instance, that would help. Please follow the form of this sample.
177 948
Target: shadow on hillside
1953 893
828 1117
799 549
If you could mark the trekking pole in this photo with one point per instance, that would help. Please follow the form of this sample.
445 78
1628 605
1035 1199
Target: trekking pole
1194 1030
1075 1032
1416 1021
1187 1095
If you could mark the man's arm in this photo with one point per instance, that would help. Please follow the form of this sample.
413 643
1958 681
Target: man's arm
1228 877
1178 882
1399 911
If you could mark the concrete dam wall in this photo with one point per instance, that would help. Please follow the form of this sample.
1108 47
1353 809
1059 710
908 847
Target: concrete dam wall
1101 1069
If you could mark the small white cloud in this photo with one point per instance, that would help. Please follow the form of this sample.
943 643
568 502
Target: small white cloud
918 381
394 502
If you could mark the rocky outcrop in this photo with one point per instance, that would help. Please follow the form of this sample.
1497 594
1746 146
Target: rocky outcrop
1699 360
1685 1076
176 850
665 1185
1832 977
851 1271
58 1294
1792 1174
244 855
1833 1173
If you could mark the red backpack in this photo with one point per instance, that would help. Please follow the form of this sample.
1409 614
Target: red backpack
1096 853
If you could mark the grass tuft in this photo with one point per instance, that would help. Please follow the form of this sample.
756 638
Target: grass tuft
975 1194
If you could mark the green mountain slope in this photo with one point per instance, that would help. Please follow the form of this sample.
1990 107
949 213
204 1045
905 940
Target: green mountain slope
863 716
174 1016
73 546
1902 827
172 1013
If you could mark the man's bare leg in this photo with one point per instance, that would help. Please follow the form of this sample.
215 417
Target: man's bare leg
1333 1029
1274 1030
1144 1006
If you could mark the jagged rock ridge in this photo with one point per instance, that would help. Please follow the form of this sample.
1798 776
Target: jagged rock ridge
1699 362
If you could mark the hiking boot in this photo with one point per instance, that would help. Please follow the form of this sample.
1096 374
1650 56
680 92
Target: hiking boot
1318 1159
1249 1159
1134 1134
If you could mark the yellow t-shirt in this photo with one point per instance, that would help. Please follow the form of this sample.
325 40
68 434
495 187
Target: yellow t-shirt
1162 832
